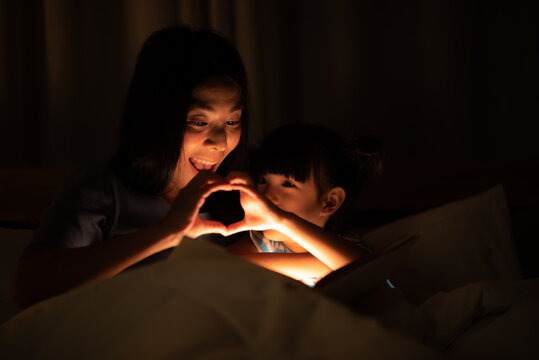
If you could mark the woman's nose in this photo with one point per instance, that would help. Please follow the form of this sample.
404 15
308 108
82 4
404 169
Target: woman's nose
216 139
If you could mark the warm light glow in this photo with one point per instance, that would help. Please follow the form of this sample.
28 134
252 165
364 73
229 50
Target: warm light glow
302 267
310 282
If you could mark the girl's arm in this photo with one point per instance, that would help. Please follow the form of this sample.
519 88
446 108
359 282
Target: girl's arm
298 266
333 250
262 214
41 275
295 265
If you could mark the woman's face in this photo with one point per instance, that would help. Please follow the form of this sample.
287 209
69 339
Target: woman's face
212 131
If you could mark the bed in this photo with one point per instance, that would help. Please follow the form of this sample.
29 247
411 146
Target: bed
464 289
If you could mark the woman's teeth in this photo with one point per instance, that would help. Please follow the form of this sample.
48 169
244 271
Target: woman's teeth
202 164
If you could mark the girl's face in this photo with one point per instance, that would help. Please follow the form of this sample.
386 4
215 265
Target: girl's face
213 130
299 198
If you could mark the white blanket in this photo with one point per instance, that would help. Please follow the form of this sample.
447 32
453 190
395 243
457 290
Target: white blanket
201 303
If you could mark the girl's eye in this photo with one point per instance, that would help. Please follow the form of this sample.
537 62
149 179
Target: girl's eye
261 180
233 123
288 184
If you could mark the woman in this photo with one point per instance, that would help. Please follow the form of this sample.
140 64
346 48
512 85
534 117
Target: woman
184 118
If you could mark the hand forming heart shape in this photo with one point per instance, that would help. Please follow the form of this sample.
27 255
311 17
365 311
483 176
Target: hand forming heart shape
184 213
260 214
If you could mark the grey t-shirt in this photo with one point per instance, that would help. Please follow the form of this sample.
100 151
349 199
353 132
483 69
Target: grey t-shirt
95 206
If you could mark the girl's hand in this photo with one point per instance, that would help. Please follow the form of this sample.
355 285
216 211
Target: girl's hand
260 213
183 215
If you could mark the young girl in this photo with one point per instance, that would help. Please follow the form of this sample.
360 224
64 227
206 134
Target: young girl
184 119
304 174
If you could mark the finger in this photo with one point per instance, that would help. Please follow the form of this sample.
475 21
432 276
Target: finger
215 227
245 189
201 180
205 177
238 227
199 189
237 177
204 227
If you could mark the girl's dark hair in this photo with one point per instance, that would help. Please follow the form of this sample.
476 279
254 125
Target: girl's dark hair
298 150
173 61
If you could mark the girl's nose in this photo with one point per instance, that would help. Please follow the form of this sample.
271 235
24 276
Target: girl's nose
269 192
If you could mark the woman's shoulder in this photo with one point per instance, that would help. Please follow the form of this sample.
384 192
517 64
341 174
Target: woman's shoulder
91 175
82 211
97 184
88 185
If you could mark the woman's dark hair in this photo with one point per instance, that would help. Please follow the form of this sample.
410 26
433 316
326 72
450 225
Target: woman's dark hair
300 150
172 62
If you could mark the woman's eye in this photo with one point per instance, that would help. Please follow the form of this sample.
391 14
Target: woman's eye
233 123
261 180
199 123
288 184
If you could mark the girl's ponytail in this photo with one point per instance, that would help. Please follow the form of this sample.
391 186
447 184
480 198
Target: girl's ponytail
367 157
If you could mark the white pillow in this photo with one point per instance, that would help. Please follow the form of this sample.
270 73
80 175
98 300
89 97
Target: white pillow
12 244
459 243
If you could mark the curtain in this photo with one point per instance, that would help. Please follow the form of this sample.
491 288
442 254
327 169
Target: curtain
436 81
22 83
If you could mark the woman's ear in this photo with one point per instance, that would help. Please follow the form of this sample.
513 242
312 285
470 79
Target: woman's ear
332 201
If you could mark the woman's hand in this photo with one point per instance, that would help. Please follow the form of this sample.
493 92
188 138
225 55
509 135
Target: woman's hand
183 216
260 213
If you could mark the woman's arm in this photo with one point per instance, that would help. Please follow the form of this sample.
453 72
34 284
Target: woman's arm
41 275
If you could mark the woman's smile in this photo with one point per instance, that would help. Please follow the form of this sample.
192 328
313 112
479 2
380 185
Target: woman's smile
200 164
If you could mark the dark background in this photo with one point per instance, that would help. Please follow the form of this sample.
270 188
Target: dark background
436 81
